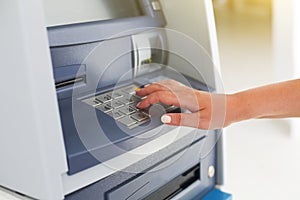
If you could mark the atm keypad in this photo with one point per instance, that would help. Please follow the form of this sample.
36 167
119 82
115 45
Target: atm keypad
121 105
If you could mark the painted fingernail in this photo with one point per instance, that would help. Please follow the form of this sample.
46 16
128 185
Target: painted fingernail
166 119
137 88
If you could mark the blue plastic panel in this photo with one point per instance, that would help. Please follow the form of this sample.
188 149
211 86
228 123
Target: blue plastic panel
216 194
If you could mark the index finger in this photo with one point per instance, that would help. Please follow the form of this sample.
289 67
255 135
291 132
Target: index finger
165 97
149 89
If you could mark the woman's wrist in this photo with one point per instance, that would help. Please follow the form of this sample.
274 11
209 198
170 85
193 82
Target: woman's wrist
234 109
238 108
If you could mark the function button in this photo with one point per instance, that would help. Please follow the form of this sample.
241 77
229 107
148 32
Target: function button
127 110
116 114
104 98
127 121
139 116
104 108
116 104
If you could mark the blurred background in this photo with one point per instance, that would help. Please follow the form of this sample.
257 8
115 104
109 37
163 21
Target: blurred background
258 45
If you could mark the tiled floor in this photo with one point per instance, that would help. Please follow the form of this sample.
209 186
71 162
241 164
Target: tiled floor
262 160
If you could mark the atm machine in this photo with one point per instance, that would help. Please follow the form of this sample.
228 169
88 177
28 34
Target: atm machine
70 126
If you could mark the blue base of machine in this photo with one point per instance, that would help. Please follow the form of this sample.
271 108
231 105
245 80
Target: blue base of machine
216 194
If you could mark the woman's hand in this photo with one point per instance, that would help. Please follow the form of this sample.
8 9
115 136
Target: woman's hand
211 111
201 104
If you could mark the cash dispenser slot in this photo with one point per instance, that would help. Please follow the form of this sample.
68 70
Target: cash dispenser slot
167 191
163 180
177 185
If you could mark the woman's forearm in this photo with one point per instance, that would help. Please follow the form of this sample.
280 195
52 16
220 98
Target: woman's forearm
271 101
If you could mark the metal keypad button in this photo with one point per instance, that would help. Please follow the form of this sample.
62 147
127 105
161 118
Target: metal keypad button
116 104
137 98
130 89
116 114
145 111
104 108
126 100
104 98
92 101
127 110
128 121
139 116
117 95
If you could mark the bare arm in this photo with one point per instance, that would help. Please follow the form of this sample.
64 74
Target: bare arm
279 100
210 111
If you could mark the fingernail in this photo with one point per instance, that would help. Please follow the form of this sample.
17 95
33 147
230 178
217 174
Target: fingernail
137 89
166 119
138 104
146 85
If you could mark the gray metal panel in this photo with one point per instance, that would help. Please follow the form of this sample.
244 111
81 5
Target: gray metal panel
70 12
31 143
103 30
162 161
